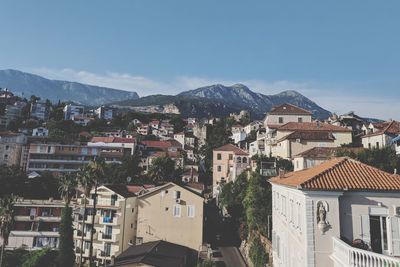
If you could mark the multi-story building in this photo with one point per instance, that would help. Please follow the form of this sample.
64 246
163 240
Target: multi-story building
72 111
229 161
114 223
341 213
285 113
105 113
172 213
381 135
59 158
127 144
40 131
40 111
37 224
11 148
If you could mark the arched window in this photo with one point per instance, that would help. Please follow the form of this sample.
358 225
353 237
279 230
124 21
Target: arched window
239 160
244 160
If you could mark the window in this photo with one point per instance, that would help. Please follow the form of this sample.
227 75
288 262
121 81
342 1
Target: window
377 145
5 157
177 211
219 168
280 119
299 119
219 156
369 145
7 147
230 156
244 160
107 249
190 211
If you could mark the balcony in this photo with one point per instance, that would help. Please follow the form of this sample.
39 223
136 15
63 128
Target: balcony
108 203
345 255
108 237
110 220
89 219
33 218
78 235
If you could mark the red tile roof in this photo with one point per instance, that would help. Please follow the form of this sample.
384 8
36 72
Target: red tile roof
310 136
312 126
157 144
232 148
341 174
112 140
288 109
327 152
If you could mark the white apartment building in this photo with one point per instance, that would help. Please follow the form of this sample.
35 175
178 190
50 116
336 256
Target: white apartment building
320 214
114 223
71 111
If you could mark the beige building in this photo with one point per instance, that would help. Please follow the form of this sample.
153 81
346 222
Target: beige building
171 213
114 223
293 138
12 146
285 113
229 161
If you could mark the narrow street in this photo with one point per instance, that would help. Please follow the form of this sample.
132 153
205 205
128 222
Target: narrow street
232 257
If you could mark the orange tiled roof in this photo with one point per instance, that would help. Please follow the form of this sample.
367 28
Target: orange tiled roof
232 148
327 152
310 136
112 139
289 109
341 174
312 126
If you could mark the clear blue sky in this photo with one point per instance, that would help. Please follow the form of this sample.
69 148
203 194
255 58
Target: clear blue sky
345 55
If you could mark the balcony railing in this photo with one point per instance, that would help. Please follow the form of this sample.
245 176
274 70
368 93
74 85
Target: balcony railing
345 255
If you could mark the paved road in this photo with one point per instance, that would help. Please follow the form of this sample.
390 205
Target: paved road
232 257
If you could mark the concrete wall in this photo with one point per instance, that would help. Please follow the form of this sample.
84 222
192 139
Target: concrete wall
355 204
156 220
371 141
274 119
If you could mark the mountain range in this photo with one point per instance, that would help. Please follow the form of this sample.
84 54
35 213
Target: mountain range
214 100
27 84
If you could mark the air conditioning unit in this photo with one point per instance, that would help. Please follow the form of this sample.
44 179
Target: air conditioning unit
397 210
178 201
298 140
32 217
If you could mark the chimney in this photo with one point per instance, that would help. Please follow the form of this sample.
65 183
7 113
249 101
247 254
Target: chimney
281 173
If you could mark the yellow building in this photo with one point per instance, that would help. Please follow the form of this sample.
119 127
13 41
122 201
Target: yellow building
171 213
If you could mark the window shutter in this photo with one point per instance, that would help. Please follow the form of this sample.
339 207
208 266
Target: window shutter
365 229
395 229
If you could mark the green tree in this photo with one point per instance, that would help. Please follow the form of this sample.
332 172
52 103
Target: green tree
257 253
6 221
41 258
162 169
257 203
66 255
129 167
382 158
67 186
12 180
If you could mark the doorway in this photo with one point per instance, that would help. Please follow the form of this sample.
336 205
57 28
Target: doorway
379 235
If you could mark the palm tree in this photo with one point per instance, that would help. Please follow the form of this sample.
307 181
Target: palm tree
6 220
96 170
67 186
86 181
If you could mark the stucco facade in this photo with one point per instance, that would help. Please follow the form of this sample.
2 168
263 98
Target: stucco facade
171 213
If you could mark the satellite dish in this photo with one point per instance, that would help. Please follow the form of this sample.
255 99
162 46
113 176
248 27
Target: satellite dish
128 179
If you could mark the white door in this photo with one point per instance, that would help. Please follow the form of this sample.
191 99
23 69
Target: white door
394 234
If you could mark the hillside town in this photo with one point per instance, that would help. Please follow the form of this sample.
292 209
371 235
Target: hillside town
107 186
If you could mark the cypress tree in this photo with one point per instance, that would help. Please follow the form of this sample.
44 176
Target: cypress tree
66 255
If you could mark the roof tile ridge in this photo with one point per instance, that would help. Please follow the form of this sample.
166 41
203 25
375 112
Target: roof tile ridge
312 179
